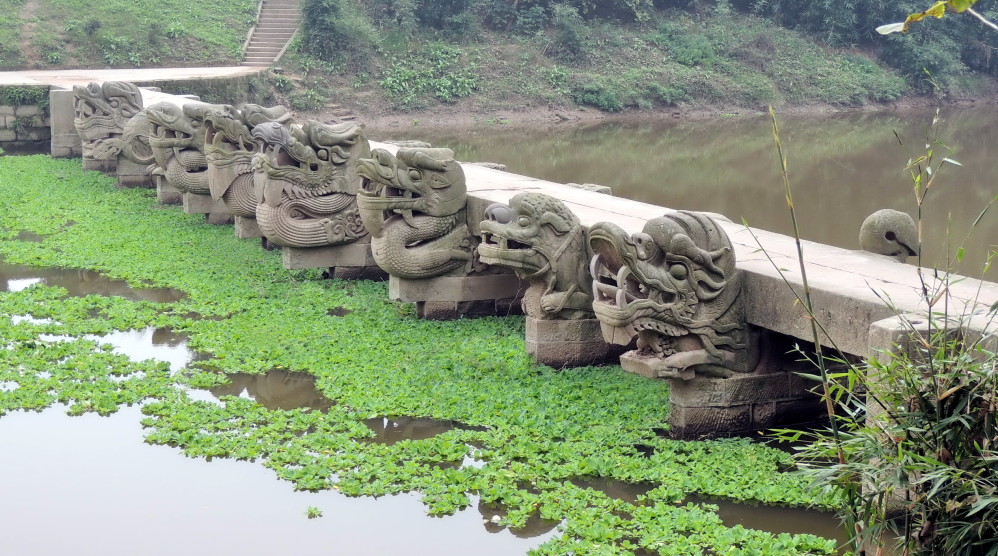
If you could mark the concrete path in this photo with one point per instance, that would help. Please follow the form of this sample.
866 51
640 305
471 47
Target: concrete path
68 78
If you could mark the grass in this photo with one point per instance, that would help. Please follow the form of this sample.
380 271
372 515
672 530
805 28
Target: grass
536 428
670 61
75 33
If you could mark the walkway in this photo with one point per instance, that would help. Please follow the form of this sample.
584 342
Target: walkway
68 78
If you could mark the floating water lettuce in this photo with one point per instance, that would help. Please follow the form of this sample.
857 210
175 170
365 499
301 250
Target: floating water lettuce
528 430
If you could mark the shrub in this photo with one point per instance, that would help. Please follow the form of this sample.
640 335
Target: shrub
599 93
336 31
91 27
569 35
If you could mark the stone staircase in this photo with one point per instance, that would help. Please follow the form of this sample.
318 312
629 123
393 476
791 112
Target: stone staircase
277 24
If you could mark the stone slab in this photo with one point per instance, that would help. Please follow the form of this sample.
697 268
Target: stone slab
702 406
475 287
218 219
568 343
202 204
109 167
66 143
450 310
131 174
166 194
333 256
247 228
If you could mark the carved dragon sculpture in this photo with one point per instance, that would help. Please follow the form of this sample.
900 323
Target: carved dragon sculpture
413 205
101 111
889 232
543 242
229 148
676 288
177 143
306 183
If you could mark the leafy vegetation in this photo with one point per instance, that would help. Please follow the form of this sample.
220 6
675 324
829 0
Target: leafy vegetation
569 54
531 429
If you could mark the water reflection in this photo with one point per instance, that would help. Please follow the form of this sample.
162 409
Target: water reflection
391 430
776 519
161 344
773 519
80 283
842 168
535 526
276 389
30 237
628 492
76 475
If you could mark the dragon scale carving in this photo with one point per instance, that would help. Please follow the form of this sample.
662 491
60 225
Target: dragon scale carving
544 243
306 183
101 111
675 287
413 205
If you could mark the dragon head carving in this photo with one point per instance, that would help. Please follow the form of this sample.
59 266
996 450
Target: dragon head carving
308 161
101 111
542 241
675 287
177 143
421 180
229 143
105 105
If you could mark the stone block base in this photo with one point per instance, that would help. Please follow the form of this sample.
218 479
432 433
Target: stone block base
131 174
109 167
202 204
166 194
475 287
451 297
568 343
66 152
450 310
703 407
247 228
351 260
218 219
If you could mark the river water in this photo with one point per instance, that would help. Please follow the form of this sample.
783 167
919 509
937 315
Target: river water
841 168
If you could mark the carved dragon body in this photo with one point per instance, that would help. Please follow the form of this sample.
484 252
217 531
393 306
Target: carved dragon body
101 111
306 183
177 144
229 149
413 204
676 288
544 243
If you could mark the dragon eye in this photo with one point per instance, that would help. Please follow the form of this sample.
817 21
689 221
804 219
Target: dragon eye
323 154
415 175
523 221
678 271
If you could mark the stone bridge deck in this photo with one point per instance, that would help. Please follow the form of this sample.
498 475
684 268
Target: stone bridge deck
851 290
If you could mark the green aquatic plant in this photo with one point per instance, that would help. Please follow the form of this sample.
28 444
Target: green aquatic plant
524 434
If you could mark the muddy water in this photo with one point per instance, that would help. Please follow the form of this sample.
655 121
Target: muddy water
80 283
89 486
841 168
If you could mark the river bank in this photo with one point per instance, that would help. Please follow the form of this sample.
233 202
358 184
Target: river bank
384 123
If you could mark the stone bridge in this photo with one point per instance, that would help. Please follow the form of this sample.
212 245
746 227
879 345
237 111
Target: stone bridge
727 353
